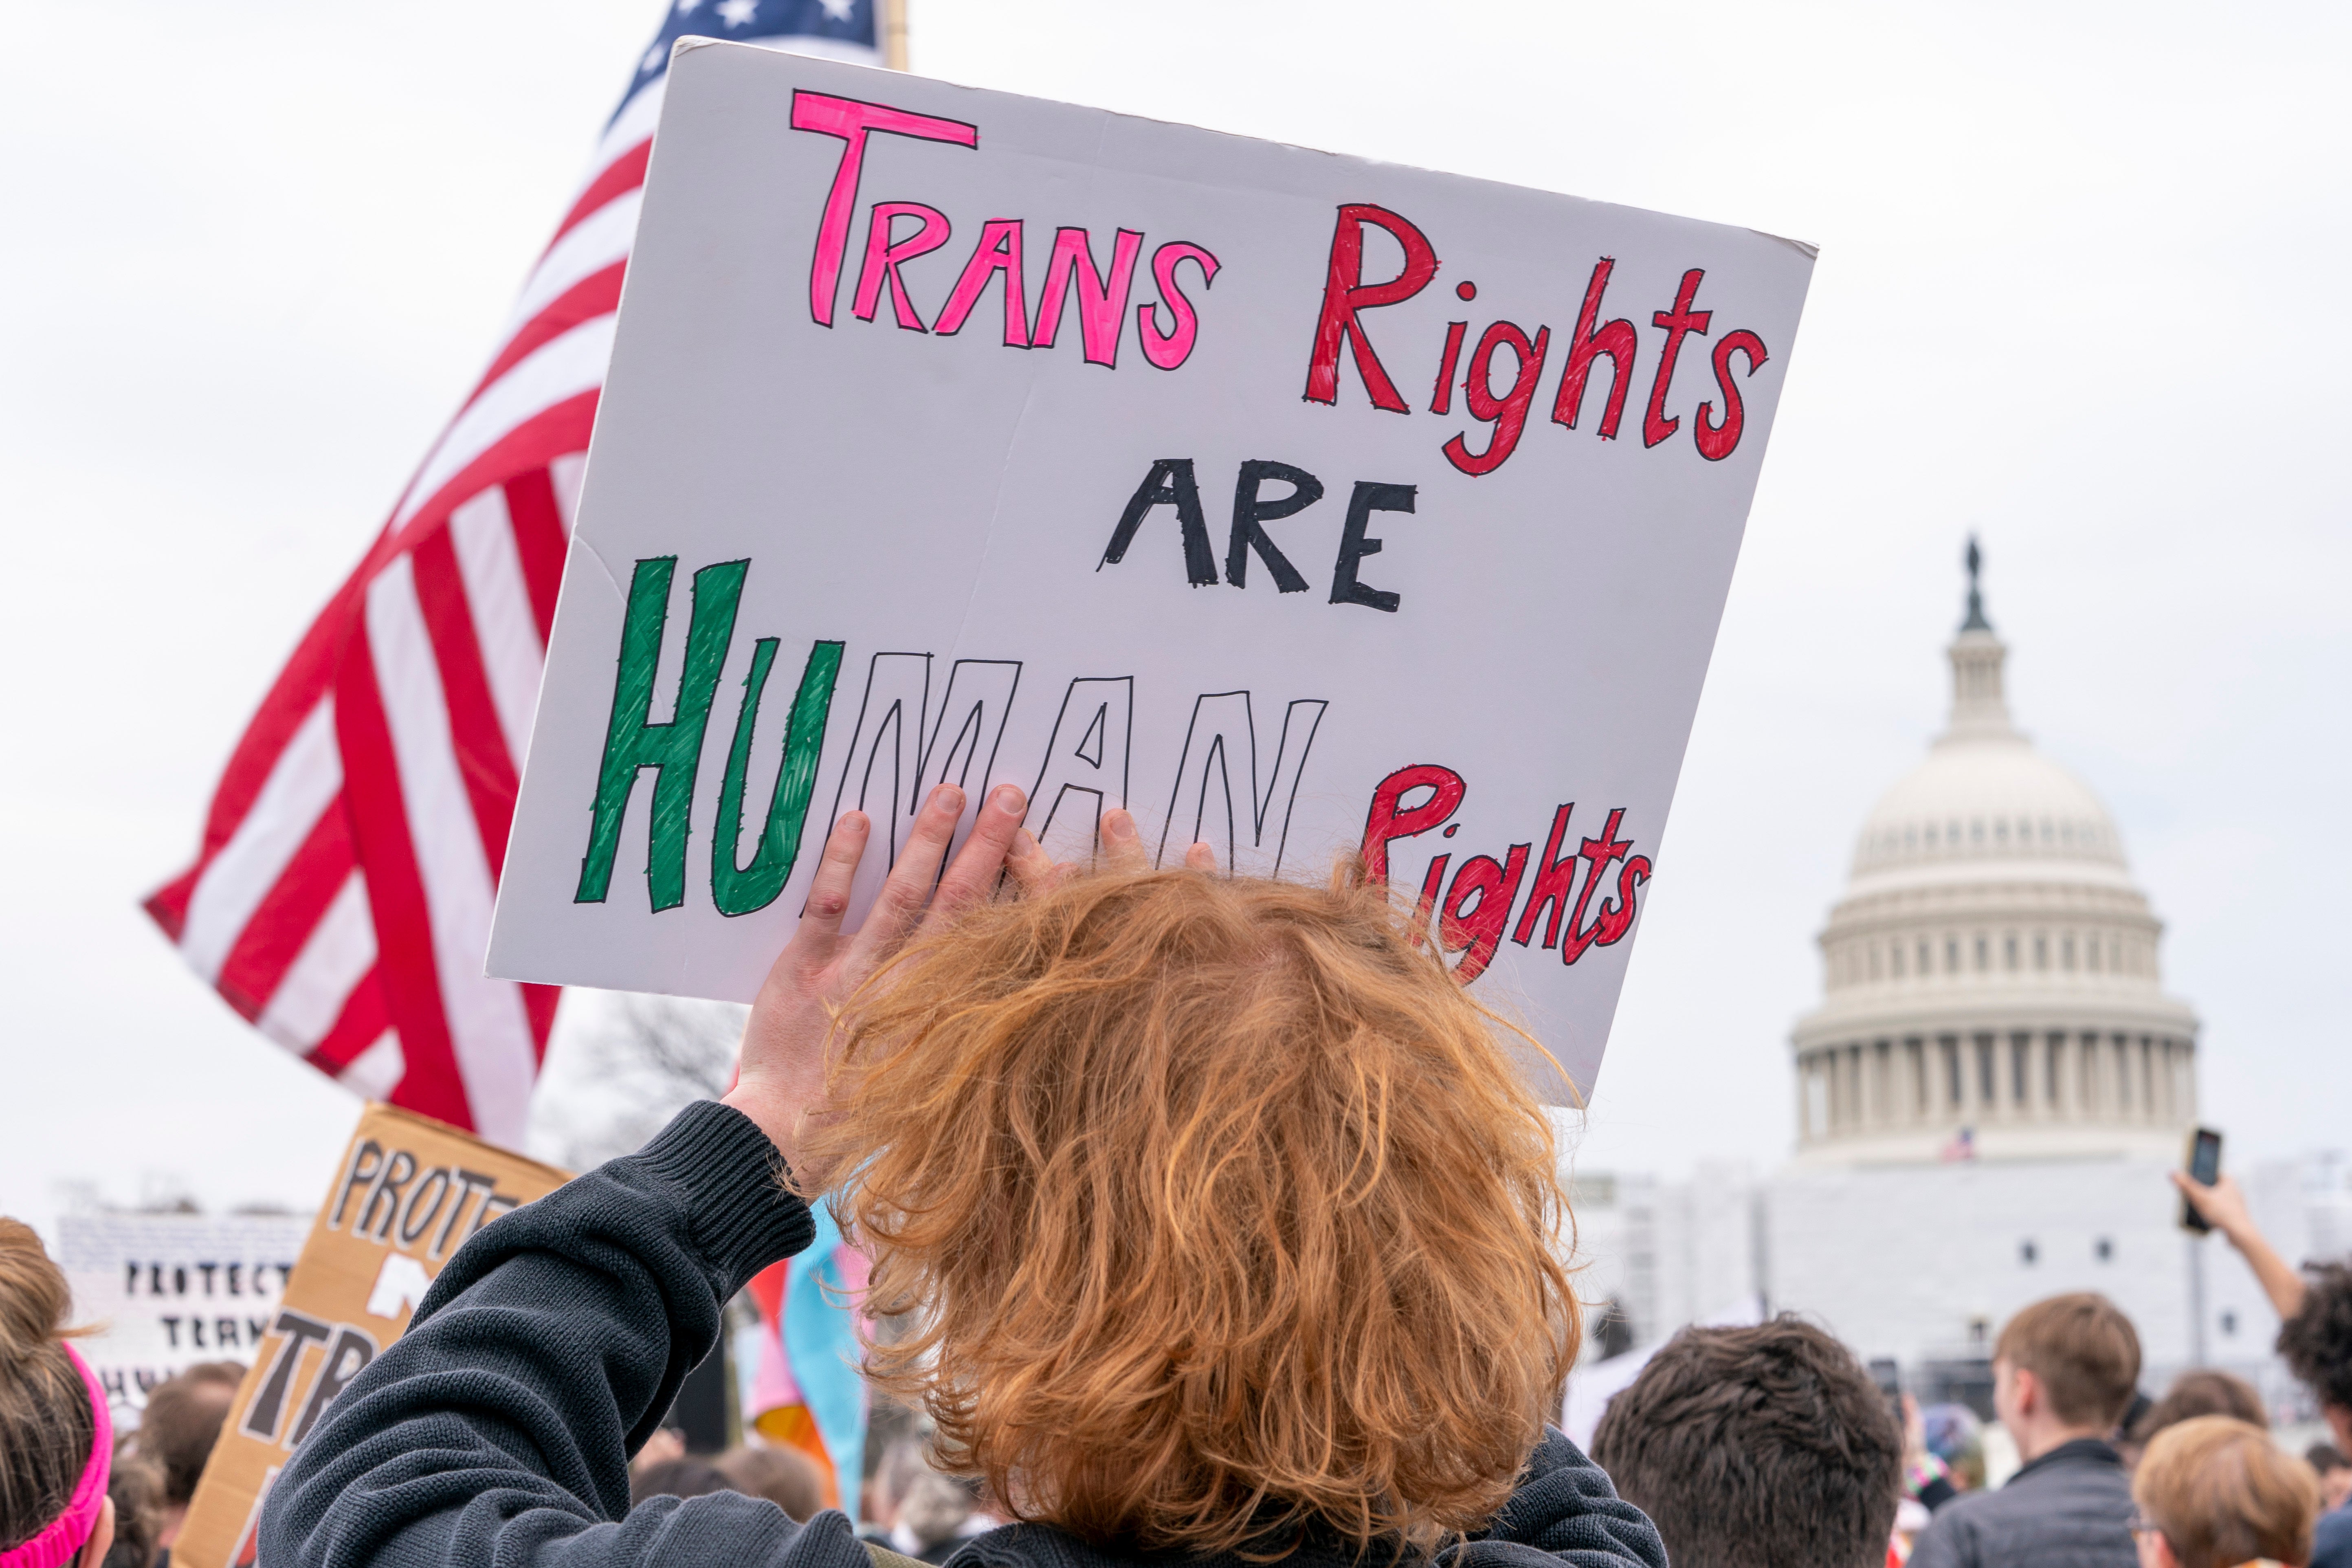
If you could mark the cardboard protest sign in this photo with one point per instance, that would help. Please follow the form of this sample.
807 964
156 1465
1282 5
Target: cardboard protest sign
1296 503
172 1289
409 1191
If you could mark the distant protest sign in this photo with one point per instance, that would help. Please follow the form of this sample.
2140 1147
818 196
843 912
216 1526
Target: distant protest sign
1298 503
407 1194
172 1289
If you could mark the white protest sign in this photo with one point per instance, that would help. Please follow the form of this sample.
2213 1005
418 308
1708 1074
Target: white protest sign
1296 502
172 1290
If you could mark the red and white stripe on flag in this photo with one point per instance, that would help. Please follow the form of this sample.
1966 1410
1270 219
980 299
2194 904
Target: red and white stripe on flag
342 897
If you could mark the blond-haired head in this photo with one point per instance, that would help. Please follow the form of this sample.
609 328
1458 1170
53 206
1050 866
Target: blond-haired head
1215 1210
2221 1493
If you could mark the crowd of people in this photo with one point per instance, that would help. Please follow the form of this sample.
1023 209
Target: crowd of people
1219 1229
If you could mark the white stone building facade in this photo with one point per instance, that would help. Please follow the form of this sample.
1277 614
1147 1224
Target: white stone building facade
1988 1099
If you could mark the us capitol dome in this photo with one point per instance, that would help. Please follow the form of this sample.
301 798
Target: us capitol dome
1991 980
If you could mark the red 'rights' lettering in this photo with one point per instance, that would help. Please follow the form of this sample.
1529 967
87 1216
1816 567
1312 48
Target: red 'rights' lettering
1509 412
851 120
1391 820
1615 340
1345 292
1681 319
1716 441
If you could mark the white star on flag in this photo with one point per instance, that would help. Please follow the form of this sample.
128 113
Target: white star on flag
839 10
738 13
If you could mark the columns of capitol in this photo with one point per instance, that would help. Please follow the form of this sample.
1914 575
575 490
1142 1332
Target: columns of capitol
1991 980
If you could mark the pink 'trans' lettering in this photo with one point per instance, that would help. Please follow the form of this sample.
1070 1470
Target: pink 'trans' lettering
1171 349
851 120
883 256
1102 302
998 254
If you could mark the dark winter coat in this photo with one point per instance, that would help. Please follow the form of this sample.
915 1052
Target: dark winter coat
496 1433
2071 1508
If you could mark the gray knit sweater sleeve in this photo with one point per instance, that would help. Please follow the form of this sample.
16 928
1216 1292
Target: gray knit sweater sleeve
496 1433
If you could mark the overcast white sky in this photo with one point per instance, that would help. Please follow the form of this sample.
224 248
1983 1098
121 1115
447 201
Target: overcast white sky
2079 278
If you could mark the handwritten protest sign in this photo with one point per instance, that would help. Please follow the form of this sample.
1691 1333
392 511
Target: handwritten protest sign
408 1193
172 1291
1296 503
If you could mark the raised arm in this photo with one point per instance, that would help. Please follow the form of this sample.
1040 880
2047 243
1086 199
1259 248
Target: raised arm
497 1431
2223 1207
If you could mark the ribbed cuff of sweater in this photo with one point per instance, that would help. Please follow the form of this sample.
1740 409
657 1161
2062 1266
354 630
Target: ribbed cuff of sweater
730 1179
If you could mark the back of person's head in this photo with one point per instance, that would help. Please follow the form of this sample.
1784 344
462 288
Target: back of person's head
686 1477
2317 1341
2223 1494
182 1421
48 1424
2335 1474
136 1490
2084 1352
1751 1447
1218 1209
2201 1391
935 1508
786 1477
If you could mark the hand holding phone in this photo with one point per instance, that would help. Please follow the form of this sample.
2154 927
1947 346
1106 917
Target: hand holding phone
2203 1166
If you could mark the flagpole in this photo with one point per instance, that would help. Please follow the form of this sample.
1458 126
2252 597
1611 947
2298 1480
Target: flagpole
894 34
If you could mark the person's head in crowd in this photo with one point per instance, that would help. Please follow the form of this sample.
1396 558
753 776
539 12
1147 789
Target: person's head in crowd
2216 1492
931 1516
1955 1435
2204 1391
136 1490
685 1476
1128 1147
2063 1368
2317 1343
2335 1473
1750 1447
901 1462
786 1477
178 1428
57 1436
2200 1390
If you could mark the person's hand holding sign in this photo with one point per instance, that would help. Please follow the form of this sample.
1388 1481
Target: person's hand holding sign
781 1072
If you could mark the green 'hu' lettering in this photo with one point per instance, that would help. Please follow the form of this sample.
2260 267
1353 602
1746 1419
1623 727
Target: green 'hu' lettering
673 750
739 890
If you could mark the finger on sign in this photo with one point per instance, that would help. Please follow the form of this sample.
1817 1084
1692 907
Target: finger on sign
916 871
1201 857
976 865
1031 866
828 896
1122 845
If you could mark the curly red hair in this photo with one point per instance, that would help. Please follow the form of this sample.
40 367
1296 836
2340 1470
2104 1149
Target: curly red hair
1215 1210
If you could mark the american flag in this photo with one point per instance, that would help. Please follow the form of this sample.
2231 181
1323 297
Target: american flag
341 900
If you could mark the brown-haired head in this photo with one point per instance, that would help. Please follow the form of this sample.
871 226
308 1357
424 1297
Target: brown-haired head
182 1422
2083 1349
2223 1493
1217 1209
1757 1445
2201 1391
46 1422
